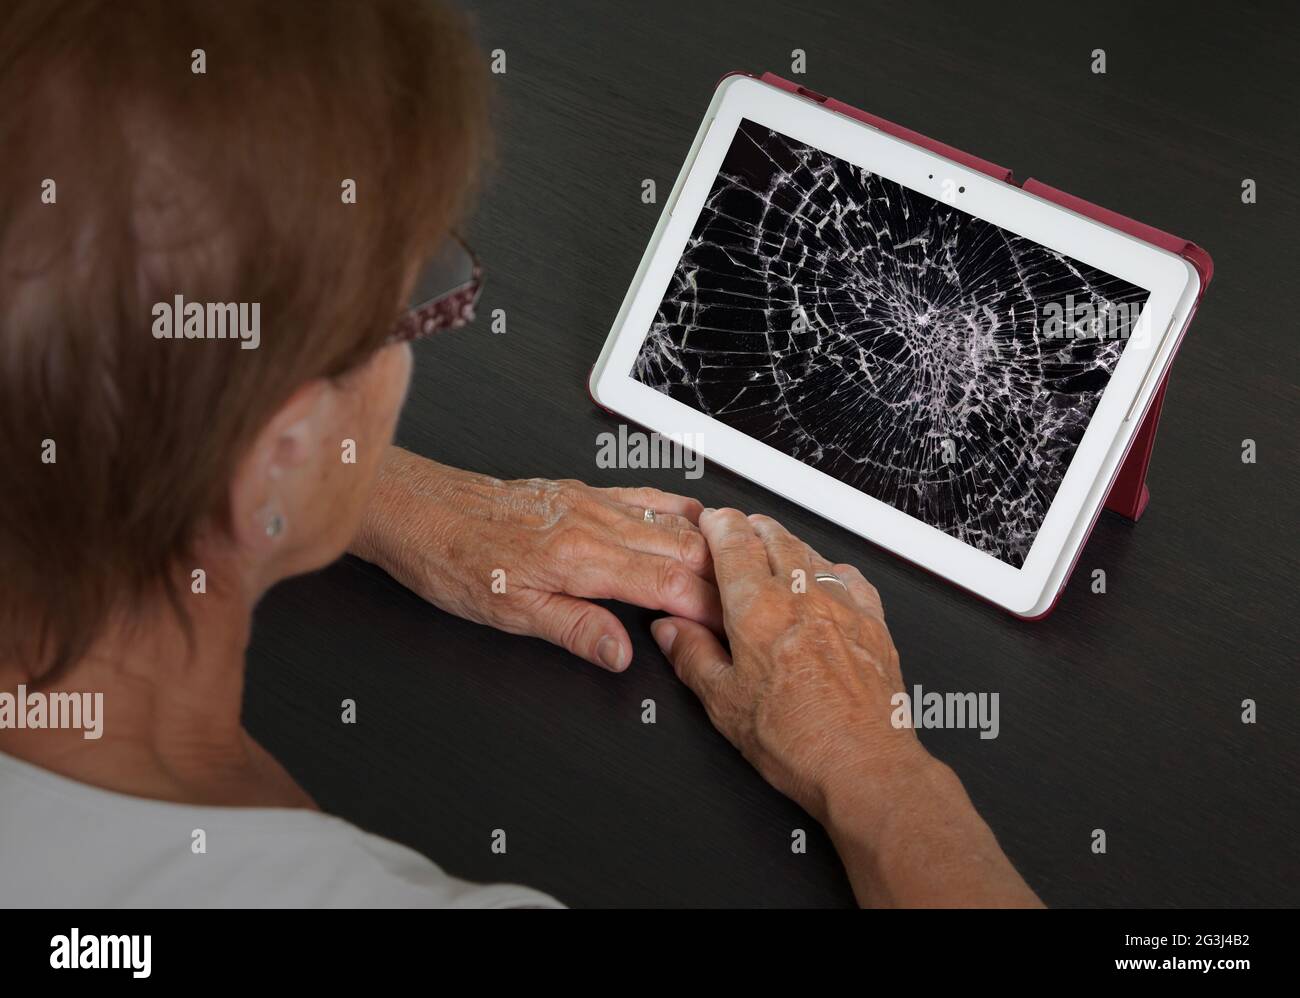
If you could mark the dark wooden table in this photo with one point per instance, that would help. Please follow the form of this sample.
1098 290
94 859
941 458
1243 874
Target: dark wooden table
1121 711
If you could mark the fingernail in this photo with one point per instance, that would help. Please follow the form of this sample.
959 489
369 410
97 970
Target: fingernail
707 511
664 634
610 652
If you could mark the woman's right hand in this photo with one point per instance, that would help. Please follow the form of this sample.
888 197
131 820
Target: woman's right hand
807 694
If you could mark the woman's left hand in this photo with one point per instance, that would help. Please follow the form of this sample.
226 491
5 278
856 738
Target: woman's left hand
528 556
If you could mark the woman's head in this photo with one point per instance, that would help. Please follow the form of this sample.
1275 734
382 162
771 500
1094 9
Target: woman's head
304 156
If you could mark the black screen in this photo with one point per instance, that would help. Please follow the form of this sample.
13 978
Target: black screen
928 358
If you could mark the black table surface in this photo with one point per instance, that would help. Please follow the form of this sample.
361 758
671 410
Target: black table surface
1122 711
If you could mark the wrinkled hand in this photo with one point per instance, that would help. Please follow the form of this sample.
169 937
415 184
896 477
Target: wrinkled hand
805 692
527 556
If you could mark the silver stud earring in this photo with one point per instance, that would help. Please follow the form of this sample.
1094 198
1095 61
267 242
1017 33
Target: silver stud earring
274 525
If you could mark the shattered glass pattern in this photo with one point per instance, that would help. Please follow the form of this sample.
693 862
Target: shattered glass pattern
886 338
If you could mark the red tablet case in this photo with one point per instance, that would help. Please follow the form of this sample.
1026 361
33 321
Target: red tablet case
1128 494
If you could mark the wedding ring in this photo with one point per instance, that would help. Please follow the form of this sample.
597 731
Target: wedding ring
649 516
828 577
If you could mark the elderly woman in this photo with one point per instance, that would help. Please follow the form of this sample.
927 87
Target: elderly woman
213 216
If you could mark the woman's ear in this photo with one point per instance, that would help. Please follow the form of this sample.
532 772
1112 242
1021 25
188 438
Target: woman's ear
269 478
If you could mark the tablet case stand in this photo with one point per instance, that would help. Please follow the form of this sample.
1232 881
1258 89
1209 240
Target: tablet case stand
1128 494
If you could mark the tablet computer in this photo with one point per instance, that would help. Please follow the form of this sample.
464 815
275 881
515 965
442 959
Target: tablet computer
947 365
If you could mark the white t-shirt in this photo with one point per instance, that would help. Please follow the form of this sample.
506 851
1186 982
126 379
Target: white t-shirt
67 844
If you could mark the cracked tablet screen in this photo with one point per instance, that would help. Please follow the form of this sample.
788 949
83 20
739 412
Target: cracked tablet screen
928 358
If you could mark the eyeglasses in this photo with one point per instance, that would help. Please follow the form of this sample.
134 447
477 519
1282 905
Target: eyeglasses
445 294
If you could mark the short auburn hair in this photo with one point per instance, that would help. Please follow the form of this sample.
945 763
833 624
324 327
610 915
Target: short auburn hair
203 149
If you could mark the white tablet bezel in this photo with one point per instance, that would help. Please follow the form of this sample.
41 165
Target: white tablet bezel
1172 281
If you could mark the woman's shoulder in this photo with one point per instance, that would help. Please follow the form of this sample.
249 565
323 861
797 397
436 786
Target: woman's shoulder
103 849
